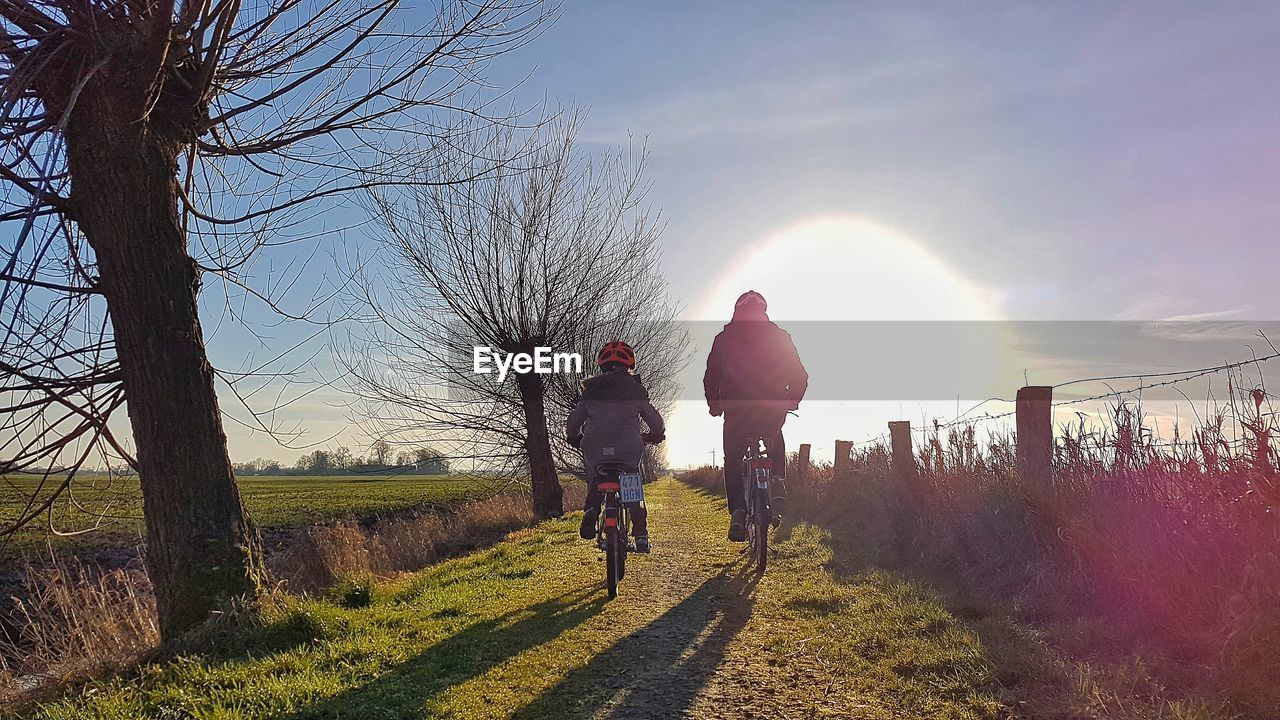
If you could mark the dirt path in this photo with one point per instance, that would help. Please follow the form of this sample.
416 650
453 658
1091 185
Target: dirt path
704 636
524 630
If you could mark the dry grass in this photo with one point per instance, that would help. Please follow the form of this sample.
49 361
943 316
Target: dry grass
1250 641
76 620
1154 566
323 555
708 478
1161 554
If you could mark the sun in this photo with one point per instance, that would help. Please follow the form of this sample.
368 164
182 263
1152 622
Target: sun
846 268
829 269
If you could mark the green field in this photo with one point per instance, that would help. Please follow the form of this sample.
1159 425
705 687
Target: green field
111 509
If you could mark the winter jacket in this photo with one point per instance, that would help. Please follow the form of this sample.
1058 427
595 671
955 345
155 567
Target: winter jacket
752 361
608 418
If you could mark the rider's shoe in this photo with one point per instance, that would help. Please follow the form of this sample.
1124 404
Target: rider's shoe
778 495
642 543
738 526
587 529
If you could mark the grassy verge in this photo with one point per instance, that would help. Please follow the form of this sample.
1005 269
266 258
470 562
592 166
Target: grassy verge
1065 639
524 630
71 619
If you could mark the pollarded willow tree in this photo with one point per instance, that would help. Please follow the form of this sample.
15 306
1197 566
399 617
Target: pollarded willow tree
556 249
150 146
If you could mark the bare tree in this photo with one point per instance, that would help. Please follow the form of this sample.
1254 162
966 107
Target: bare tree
561 254
150 146
380 452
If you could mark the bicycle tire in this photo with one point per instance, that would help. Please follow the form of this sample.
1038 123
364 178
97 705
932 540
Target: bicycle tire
762 540
611 552
624 544
623 551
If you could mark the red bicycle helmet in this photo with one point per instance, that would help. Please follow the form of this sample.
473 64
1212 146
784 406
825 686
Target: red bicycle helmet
618 352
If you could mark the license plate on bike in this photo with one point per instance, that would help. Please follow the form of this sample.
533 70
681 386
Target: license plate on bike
632 488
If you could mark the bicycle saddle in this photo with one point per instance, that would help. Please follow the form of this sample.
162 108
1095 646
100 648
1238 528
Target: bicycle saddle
608 466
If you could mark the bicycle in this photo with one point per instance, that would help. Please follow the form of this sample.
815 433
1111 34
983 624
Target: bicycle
621 488
760 516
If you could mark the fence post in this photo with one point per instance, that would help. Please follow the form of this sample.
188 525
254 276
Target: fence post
903 496
802 466
844 454
904 459
1035 436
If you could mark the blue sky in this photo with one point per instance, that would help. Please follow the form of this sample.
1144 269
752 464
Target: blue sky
1086 160
1052 160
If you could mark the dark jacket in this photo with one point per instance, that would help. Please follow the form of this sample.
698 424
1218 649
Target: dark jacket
608 418
753 360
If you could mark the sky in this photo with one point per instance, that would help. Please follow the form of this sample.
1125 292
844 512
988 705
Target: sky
1042 151
1067 161
918 161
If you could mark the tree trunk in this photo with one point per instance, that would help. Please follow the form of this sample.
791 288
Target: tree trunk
548 496
202 548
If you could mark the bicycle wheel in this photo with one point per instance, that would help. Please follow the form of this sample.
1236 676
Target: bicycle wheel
624 520
611 562
622 559
761 521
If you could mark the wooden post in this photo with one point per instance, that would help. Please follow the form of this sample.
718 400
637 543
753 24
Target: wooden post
904 460
1035 436
902 494
802 465
844 454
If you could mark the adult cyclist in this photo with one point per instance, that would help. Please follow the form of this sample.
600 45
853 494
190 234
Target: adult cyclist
754 377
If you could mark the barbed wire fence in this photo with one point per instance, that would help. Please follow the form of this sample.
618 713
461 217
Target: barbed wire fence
1145 381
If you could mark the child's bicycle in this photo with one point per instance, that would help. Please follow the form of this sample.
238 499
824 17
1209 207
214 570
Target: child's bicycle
759 471
621 487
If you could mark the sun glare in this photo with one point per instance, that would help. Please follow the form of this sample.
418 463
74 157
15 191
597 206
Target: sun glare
830 269
846 269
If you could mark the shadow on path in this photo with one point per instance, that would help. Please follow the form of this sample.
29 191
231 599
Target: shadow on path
658 670
403 691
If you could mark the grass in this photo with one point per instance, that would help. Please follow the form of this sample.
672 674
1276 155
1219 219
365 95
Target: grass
70 619
523 630
1144 582
112 507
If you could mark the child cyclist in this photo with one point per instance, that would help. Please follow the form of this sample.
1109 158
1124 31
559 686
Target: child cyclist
605 425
